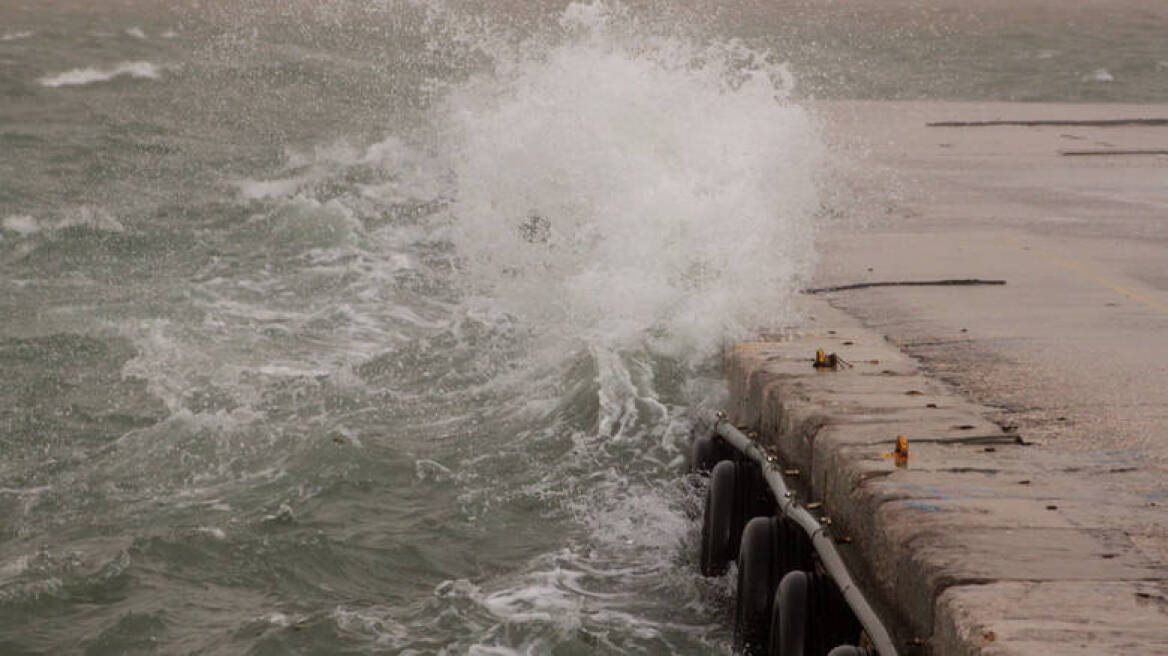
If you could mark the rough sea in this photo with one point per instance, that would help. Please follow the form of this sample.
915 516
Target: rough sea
379 327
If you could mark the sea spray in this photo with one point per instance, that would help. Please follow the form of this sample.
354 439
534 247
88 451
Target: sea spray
615 183
627 201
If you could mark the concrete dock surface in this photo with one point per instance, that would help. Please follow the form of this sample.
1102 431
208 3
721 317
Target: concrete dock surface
1073 350
1033 517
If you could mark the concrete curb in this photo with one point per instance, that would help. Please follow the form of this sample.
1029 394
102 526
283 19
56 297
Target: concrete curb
982 545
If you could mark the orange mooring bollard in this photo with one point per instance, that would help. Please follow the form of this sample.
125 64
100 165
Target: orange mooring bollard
900 455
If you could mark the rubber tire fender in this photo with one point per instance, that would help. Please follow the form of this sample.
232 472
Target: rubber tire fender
848 650
788 632
758 577
832 621
793 547
718 519
756 499
707 451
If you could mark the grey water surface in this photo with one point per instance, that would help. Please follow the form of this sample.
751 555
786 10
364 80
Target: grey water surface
360 327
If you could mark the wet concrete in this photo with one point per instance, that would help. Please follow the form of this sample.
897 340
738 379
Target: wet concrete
983 544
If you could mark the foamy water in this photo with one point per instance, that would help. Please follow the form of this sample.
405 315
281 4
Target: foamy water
91 75
611 187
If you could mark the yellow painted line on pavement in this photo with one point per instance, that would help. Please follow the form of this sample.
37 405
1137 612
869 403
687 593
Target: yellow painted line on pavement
1087 273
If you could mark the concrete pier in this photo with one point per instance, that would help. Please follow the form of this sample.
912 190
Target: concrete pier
1033 515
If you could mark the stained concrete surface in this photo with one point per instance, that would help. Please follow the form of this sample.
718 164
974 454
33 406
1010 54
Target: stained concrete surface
1033 517
977 505
1074 349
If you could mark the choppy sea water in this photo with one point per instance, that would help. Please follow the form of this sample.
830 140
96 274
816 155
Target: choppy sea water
379 327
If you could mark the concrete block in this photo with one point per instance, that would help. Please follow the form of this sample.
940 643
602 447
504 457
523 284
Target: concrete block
974 515
1080 618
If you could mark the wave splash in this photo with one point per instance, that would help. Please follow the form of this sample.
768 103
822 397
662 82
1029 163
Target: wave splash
631 200
617 183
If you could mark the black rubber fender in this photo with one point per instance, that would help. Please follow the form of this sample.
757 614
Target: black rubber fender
810 616
833 621
755 496
758 577
789 630
718 519
793 547
707 451
849 650
737 492
770 547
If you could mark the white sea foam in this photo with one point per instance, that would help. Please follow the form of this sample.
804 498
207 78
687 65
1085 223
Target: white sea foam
14 567
405 172
90 75
375 622
94 218
25 491
15 36
136 32
612 185
22 224
1099 75
278 619
269 189
426 469
213 531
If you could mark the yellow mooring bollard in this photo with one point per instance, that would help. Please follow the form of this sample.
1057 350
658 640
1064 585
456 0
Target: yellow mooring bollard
899 455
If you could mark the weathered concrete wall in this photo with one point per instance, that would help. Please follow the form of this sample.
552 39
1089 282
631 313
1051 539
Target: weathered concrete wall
983 545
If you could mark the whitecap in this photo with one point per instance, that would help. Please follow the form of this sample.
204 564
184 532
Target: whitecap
431 470
278 619
1099 75
213 531
270 189
14 567
15 36
85 216
283 515
136 32
289 370
23 491
22 224
92 218
90 75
